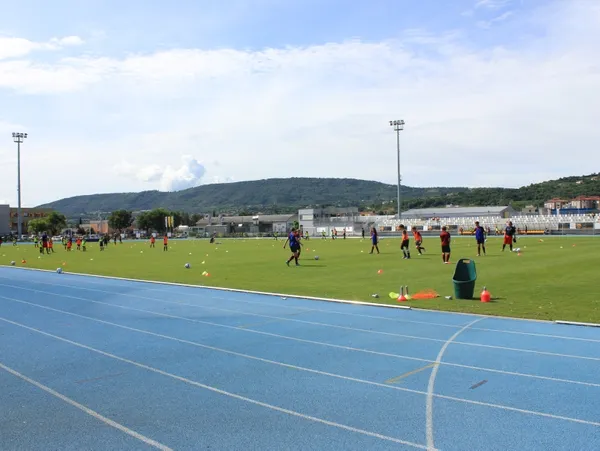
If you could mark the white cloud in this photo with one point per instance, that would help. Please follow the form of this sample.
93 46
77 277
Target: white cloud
169 178
512 113
492 4
11 47
67 41
501 18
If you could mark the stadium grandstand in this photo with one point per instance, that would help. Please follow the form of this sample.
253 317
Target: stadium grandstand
459 212
459 220
493 219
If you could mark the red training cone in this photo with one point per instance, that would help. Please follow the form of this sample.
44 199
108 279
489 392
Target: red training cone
485 295
402 298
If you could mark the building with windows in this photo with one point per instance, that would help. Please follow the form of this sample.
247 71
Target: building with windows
585 203
555 203
27 214
578 205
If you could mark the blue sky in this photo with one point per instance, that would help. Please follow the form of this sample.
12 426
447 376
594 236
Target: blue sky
167 97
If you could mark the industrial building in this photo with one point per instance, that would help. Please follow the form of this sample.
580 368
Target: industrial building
238 225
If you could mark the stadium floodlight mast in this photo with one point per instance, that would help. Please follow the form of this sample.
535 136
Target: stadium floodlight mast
18 138
398 127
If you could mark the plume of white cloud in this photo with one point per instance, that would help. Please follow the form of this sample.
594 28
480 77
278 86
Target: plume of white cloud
11 47
492 4
168 178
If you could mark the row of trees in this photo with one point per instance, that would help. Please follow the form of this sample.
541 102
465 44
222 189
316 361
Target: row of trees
150 220
119 220
53 224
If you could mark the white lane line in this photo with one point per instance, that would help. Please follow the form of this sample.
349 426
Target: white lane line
219 391
431 386
319 343
245 292
319 324
92 413
323 373
266 304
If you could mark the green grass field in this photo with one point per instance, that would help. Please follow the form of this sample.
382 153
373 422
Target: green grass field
553 279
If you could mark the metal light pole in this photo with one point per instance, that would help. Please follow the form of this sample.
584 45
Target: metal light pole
18 138
398 127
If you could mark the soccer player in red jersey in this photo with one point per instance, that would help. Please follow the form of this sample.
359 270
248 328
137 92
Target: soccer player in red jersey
445 238
418 240
405 243
509 235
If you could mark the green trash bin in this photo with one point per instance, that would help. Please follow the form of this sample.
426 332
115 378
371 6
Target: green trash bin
464 279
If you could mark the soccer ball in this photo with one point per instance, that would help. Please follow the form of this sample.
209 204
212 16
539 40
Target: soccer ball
12 263
316 257
59 270
187 265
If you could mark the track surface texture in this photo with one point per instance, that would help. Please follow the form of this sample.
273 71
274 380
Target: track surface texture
95 363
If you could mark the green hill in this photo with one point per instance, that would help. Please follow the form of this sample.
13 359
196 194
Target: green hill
287 195
267 196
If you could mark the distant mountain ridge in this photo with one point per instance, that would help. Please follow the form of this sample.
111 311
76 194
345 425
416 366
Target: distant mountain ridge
287 195
269 195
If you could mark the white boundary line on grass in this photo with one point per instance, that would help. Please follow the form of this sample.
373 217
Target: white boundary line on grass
234 290
296 296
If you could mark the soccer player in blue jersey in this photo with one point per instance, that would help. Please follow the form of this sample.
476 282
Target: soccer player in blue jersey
294 247
480 238
374 240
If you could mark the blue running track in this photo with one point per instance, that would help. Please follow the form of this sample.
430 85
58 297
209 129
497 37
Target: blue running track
92 363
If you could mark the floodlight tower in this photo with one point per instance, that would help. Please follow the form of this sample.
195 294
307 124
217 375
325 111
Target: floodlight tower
18 138
398 127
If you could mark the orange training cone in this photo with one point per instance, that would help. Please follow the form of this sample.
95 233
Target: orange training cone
485 295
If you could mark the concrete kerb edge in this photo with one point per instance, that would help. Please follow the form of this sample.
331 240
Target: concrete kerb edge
231 290
575 323
312 298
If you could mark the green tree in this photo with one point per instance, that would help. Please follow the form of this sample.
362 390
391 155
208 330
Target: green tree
120 219
180 218
195 218
186 219
143 221
153 220
37 226
56 222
